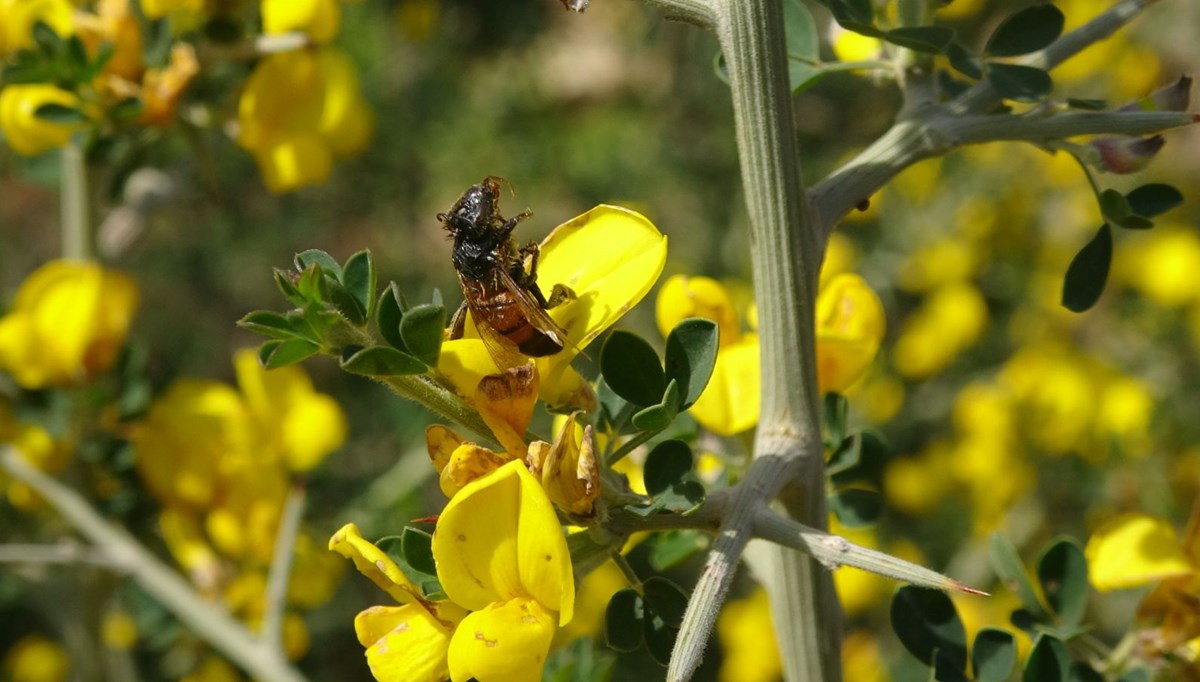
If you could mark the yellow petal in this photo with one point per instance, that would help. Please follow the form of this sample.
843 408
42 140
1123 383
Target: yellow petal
441 442
505 402
468 462
404 644
1133 550
610 257
505 642
570 473
320 19
730 402
682 297
16 28
499 538
346 120
185 541
374 563
850 324
24 131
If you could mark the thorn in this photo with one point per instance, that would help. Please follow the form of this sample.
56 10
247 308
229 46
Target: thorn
426 519
970 590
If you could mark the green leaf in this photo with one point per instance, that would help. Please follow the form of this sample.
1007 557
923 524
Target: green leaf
1082 672
856 507
666 465
673 547
1029 30
1048 661
104 53
1085 278
665 604
276 354
417 546
853 14
801 31
964 61
421 328
358 276
836 410
388 315
925 621
45 38
76 54
1153 199
268 323
381 361
287 287
1135 675
632 369
60 114
1020 83
1063 574
318 257
623 621
1116 208
845 456
345 302
690 357
1087 104
127 109
928 39
653 418
993 655
1009 568
311 284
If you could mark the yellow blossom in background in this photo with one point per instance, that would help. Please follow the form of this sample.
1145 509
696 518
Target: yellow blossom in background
67 324
37 447
118 630
35 658
213 669
157 9
319 19
1162 266
862 661
749 650
610 257
17 18
849 327
24 131
951 319
298 111
1132 550
849 46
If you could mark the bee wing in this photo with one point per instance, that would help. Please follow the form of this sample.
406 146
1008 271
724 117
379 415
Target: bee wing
533 310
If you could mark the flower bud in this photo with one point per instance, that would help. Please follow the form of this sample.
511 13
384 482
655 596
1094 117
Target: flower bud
1123 155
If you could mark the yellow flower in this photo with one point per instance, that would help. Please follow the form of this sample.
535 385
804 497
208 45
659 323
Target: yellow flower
950 320
37 447
849 326
319 19
67 324
1133 550
407 642
17 18
610 257
23 129
298 111
301 424
750 650
35 658
501 553
157 9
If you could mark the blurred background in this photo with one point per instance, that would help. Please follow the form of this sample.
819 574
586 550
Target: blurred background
1003 410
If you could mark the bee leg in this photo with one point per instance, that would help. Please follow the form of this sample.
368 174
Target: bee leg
458 323
559 295
511 224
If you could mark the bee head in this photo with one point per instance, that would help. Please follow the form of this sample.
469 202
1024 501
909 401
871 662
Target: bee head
476 211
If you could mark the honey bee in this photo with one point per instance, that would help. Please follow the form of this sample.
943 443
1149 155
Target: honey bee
502 296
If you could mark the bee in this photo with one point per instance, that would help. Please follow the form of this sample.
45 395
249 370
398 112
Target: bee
502 296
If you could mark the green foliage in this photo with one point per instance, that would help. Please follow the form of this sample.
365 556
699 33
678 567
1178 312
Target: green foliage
690 357
1088 272
856 507
632 369
670 481
1012 573
993 655
1048 661
1025 31
1020 83
651 618
1063 575
412 552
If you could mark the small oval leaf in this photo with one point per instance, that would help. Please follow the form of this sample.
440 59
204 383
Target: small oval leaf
690 356
926 622
380 361
667 464
1048 661
276 354
1020 83
623 621
1153 199
1026 31
1063 574
358 276
421 329
1088 272
632 369
993 655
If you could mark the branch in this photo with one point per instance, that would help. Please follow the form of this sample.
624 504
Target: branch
975 129
64 552
696 12
281 566
210 622
913 139
834 551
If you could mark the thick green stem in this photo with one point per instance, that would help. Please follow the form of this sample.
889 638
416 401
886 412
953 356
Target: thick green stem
76 228
786 252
